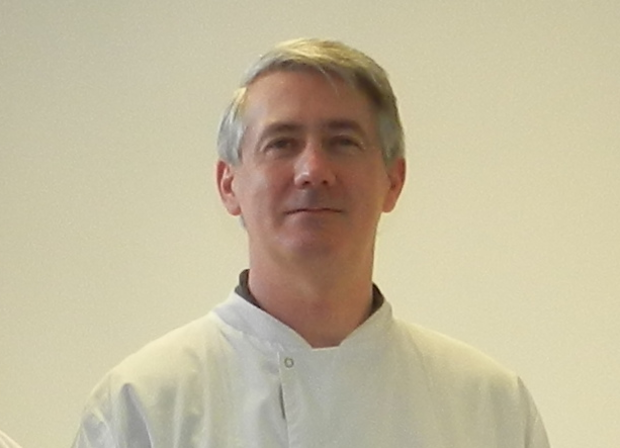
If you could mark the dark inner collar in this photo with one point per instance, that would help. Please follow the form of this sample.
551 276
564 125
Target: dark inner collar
243 290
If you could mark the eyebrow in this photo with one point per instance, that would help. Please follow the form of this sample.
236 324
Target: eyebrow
345 125
281 127
331 125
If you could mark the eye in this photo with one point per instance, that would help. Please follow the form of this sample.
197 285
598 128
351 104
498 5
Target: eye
281 144
345 142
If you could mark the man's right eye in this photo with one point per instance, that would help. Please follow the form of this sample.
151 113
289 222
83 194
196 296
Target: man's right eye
281 144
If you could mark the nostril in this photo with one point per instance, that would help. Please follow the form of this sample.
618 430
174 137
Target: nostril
313 167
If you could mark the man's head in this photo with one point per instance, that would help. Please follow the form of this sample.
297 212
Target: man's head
311 155
332 59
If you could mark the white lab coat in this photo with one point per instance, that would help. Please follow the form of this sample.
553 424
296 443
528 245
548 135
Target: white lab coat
239 378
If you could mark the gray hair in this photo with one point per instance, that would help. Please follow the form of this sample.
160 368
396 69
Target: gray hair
330 58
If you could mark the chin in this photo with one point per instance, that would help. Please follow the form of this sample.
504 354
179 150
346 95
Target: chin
312 246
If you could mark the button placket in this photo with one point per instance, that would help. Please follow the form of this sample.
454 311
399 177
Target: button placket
288 380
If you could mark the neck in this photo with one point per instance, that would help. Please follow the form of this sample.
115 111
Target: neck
323 306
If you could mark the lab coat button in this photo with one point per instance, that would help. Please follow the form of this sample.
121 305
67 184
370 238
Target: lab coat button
289 362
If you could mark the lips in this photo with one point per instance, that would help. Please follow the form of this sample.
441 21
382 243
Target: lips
312 202
313 210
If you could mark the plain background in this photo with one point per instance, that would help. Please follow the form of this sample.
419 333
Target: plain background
507 235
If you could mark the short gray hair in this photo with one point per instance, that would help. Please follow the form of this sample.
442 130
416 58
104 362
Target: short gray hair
331 58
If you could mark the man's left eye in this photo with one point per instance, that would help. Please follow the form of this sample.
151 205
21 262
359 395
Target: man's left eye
345 141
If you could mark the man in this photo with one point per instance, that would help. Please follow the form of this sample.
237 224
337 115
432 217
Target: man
305 352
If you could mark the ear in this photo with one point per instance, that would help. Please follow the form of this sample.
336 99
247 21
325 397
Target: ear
225 174
396 177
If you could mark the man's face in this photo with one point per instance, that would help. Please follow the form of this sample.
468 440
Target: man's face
311 181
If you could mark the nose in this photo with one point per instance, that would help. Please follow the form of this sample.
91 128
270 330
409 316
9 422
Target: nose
313 167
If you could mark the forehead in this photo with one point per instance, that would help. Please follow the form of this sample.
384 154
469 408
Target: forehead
307 98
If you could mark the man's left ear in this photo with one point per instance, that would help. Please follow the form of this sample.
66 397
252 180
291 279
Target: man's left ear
225 175
396 177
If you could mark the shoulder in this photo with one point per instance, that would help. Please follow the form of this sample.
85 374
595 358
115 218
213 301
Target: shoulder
454 368
469 386
179 353
439 351
174 361
140 396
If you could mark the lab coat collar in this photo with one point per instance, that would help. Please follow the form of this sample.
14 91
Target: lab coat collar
242 316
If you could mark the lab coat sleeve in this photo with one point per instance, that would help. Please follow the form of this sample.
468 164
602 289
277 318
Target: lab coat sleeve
93 433
120 414
536 433
95 430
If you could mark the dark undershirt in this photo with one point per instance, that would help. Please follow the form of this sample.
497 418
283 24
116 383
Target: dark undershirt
243 290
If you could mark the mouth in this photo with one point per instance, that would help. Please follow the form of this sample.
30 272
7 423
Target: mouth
314 211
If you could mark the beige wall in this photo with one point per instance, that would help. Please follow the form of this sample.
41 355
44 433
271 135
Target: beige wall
507 235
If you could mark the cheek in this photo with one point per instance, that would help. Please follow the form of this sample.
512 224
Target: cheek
257 193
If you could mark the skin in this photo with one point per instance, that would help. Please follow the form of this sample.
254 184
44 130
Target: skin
311 187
